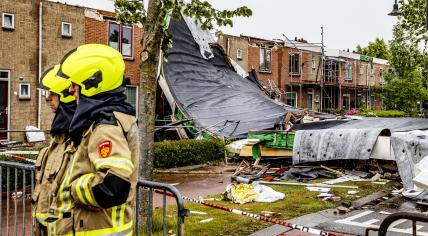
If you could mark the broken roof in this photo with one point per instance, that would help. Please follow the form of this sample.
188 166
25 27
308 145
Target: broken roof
211 93
314 47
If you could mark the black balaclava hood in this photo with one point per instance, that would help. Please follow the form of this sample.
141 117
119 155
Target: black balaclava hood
91 109
63 116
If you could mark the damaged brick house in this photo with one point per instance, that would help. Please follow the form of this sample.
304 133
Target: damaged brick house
34 35
295 70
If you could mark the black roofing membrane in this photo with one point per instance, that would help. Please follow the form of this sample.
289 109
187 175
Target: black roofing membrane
211 93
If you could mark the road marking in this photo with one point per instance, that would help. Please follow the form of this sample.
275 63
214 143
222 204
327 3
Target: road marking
371 223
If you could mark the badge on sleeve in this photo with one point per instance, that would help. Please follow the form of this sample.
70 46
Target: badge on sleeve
104 149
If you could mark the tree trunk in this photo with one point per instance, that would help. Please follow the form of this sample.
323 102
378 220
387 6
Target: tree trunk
147 97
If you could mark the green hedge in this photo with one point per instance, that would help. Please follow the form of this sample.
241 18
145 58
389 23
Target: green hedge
382 113
170 154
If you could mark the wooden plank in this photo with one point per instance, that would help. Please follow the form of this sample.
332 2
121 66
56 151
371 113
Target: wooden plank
266 152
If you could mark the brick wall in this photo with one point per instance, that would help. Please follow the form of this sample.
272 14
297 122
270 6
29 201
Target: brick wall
55 46
18 50
97 30
231 44
276 67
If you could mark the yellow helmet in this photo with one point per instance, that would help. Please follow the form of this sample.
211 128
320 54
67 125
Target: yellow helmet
55 84
96 68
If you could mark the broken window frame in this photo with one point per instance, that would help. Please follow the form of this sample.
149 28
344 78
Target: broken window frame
295 62
119 42
265 60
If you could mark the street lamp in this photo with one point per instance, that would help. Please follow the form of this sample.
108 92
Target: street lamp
395 11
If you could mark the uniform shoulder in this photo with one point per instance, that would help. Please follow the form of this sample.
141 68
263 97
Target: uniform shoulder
125 120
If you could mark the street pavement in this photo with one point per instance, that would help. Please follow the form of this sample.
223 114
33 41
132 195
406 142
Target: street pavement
356 221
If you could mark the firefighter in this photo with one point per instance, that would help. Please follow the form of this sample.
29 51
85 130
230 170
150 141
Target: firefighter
50 163
97 194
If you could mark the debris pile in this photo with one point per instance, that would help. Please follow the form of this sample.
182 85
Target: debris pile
243 193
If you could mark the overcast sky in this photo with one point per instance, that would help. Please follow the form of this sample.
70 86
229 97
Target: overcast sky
347 23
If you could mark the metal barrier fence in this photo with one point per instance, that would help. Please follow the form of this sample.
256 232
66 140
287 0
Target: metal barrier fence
386 223
18 196
11 172
165 190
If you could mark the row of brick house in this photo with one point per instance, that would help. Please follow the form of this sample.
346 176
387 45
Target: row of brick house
34 35
296 71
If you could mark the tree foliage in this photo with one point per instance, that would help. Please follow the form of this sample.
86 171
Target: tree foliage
412 20
403 94
379 49
407 78
132 12
155 43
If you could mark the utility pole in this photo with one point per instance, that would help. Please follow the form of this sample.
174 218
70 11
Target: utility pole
322 67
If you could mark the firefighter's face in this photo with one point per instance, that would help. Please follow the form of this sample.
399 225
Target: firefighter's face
53 99
75 90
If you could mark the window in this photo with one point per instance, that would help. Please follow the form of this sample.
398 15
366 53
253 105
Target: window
66 29
361 69
372 102
371 69
120 38
310 99
265 60
359 100
294 65
292 99
239 54
346 102
4 75
131 93
24 91
8 21
348 71
382 78
331 70
314 64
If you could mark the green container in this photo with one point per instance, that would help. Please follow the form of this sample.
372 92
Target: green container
273 139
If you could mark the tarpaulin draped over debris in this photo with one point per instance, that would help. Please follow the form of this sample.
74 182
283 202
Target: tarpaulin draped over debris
211 93
409 148
339 140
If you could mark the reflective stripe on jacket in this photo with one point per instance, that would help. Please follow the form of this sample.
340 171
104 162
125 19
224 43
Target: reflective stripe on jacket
50 166
97 194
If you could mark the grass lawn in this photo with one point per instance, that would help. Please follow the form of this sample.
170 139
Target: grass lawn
298 201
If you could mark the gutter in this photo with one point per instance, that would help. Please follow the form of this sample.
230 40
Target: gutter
39 100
